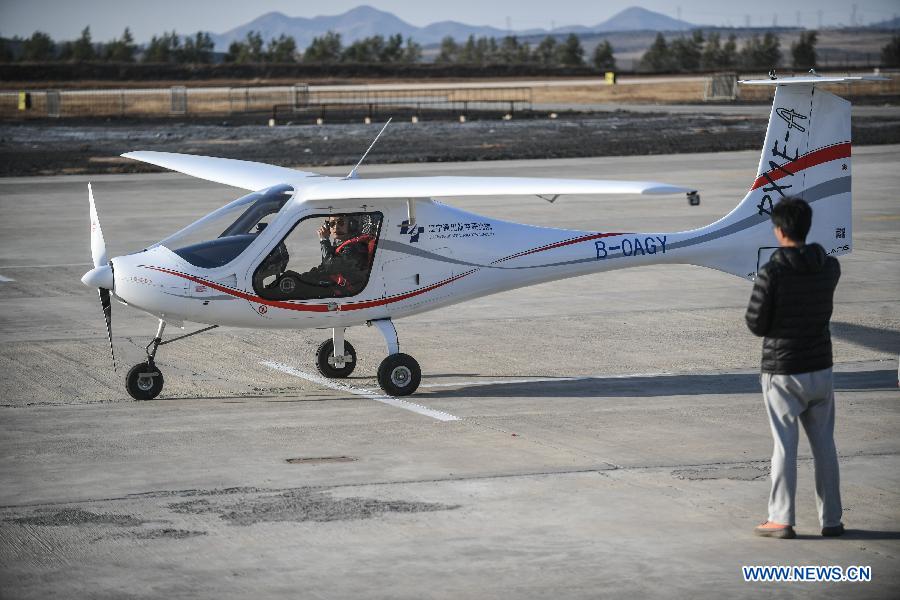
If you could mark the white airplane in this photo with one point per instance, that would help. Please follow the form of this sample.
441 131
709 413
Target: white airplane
308 251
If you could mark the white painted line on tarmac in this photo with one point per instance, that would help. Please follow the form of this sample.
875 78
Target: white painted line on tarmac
541 380
4 279
344 387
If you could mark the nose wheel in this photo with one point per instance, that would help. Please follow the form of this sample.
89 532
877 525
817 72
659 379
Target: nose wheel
144 381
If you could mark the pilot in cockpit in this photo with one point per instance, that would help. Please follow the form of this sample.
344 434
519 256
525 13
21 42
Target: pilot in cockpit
347 244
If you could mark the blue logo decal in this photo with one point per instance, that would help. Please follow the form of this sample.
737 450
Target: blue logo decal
413 232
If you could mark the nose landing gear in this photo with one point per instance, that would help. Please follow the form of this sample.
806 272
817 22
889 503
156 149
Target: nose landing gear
144 380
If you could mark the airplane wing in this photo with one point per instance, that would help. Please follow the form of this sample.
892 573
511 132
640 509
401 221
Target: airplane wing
243 174
436 187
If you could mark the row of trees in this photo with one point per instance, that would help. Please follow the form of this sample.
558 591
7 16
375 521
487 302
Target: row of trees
548 53
40 47
890 54
170 47
327 49
696 52
699 53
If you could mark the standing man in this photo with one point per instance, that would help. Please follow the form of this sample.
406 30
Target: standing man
791 306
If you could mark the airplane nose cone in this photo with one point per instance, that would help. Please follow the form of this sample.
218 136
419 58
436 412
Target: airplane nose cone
99 277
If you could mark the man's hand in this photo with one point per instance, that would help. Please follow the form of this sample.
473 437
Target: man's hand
324 230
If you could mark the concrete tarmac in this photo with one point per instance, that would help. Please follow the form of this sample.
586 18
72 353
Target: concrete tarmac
610 437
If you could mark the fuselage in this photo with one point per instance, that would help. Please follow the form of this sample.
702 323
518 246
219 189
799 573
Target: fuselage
446 256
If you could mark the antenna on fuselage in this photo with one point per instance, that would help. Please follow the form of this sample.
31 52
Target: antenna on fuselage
352 174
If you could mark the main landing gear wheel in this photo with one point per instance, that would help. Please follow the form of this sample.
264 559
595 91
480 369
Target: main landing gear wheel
325 360
144 382
399 374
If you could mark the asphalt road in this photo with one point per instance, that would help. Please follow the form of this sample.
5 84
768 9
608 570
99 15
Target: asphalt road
610 440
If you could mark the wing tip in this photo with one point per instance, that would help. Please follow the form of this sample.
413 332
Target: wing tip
665 188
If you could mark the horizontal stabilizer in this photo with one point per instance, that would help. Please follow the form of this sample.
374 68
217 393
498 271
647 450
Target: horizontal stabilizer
814 79
438 187
242 174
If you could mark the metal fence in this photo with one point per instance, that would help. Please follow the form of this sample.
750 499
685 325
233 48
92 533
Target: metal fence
298 99
721 86
301 103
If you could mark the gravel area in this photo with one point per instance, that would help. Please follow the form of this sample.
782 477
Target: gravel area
57 147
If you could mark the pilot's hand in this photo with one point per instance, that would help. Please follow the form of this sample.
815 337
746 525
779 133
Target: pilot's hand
324 230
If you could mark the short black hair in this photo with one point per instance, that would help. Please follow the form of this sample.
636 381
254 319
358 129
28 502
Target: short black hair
794 217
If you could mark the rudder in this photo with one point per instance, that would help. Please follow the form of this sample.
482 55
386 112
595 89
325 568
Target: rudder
806 154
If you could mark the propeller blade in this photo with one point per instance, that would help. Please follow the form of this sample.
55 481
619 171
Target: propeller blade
98 245
106 304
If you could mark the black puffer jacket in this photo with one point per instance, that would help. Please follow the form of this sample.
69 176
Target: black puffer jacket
791 306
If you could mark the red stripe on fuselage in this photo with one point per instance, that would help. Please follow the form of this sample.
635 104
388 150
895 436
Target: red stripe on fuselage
812 159
309 307
584 238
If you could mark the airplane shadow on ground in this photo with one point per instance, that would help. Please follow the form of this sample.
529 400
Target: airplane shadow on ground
871 534
880 340
655 386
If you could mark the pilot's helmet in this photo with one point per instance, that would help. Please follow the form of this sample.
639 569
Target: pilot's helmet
354 225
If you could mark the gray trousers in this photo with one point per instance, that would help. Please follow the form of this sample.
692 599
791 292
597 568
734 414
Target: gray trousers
806 398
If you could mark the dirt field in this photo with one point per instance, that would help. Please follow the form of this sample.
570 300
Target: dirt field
70 147
222 98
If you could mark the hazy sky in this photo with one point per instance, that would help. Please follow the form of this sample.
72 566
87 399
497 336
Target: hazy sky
107 18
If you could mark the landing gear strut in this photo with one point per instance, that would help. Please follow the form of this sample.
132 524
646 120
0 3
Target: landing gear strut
399 374
145 381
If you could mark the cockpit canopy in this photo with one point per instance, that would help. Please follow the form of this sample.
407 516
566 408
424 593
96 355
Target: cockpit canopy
219 237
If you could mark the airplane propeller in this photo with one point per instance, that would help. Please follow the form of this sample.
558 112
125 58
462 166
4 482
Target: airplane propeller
101 276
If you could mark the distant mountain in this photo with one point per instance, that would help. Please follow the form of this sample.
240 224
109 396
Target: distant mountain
364 21
360 22
641 19
459 31
889 24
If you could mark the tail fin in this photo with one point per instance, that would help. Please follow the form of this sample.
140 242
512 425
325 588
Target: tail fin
806 154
